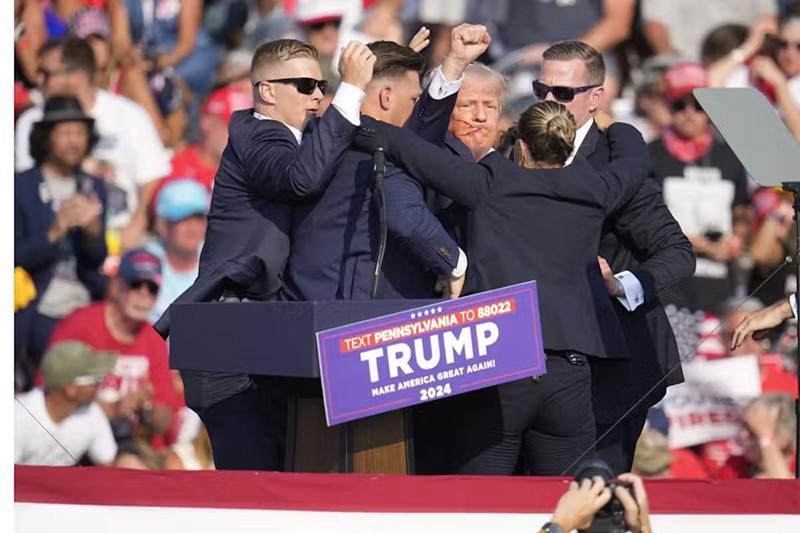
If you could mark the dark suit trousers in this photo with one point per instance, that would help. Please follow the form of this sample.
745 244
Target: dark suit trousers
248 429
619 445
484 432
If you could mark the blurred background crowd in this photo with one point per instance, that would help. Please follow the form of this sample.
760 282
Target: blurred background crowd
138 94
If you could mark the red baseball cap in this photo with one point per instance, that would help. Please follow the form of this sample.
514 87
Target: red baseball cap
683 78
223 102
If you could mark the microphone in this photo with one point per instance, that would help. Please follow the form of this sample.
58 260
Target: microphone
379 168
379 162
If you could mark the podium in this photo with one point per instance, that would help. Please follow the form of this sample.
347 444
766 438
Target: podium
278 339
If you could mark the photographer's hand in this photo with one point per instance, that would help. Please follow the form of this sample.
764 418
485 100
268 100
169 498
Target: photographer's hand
577 507
637 512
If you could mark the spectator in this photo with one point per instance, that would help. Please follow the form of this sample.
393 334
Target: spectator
166 34
136 454
131 81
200 161
129 154
139 394
688 156
319 24
59 424
181 210
652 458
234 71
769 63
678 27
770 425
267 21
59 224
774 376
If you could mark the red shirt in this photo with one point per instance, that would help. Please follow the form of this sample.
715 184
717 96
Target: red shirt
774 378
147 356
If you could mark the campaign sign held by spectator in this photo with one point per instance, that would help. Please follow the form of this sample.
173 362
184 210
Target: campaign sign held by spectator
443 349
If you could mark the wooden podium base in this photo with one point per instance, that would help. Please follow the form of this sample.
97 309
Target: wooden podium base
380 444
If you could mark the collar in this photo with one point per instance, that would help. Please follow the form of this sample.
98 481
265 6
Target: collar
297 133
580 135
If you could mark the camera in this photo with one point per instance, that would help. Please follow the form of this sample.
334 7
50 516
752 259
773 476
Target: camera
611 518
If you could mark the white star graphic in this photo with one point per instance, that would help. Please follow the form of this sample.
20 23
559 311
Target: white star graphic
439 309
433 311
413 315
427 312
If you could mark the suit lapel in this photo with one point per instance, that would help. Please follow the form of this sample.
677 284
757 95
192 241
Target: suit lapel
589 144
458 147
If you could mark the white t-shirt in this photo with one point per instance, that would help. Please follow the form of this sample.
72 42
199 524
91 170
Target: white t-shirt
128 154
87 430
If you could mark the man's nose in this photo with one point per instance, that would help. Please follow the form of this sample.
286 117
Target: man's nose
480 114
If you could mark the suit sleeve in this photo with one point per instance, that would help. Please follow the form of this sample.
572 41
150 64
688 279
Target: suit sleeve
465 182
278 170
93 252
628 166
431 116
416 229
649 230
31 250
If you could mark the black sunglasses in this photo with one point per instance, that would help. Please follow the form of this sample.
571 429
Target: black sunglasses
562 94
783 44
303 85
681 105
317 26
138 284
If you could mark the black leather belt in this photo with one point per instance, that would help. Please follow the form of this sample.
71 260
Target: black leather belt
573 358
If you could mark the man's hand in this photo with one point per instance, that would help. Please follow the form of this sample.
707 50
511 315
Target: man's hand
450 287
577 507
761 419
420 40
765 68
467 43
603 120
757 323
356 64
613 285
637 512
68 217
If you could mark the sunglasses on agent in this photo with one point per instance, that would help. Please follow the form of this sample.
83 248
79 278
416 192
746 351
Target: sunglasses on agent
562 94
783 44
303 85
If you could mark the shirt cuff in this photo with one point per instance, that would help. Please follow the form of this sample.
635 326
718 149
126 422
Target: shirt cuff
347 101
793 303
461 267
440 88
633 295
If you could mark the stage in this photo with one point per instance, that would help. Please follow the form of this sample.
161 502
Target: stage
89 500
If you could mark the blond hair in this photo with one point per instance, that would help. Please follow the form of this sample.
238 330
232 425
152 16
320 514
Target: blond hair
548 129
280 51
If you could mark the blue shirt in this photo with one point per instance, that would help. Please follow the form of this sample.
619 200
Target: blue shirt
173 283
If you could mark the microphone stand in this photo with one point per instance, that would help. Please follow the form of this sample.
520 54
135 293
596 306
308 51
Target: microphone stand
379 159
794 187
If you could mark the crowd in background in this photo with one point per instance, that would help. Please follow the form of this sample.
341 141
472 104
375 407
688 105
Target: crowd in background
138 94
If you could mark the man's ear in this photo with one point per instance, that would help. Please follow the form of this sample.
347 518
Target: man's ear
596 97
385 97
266 93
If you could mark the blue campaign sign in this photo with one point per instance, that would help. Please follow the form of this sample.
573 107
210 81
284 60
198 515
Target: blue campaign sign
416 356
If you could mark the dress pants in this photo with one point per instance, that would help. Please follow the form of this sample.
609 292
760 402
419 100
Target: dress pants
549 421
248 429
619 445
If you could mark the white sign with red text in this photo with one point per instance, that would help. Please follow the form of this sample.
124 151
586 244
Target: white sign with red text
709 404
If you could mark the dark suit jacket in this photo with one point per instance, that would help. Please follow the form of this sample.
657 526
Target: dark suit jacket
262 172
644 238
335 239
536 224
32 220
33 252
